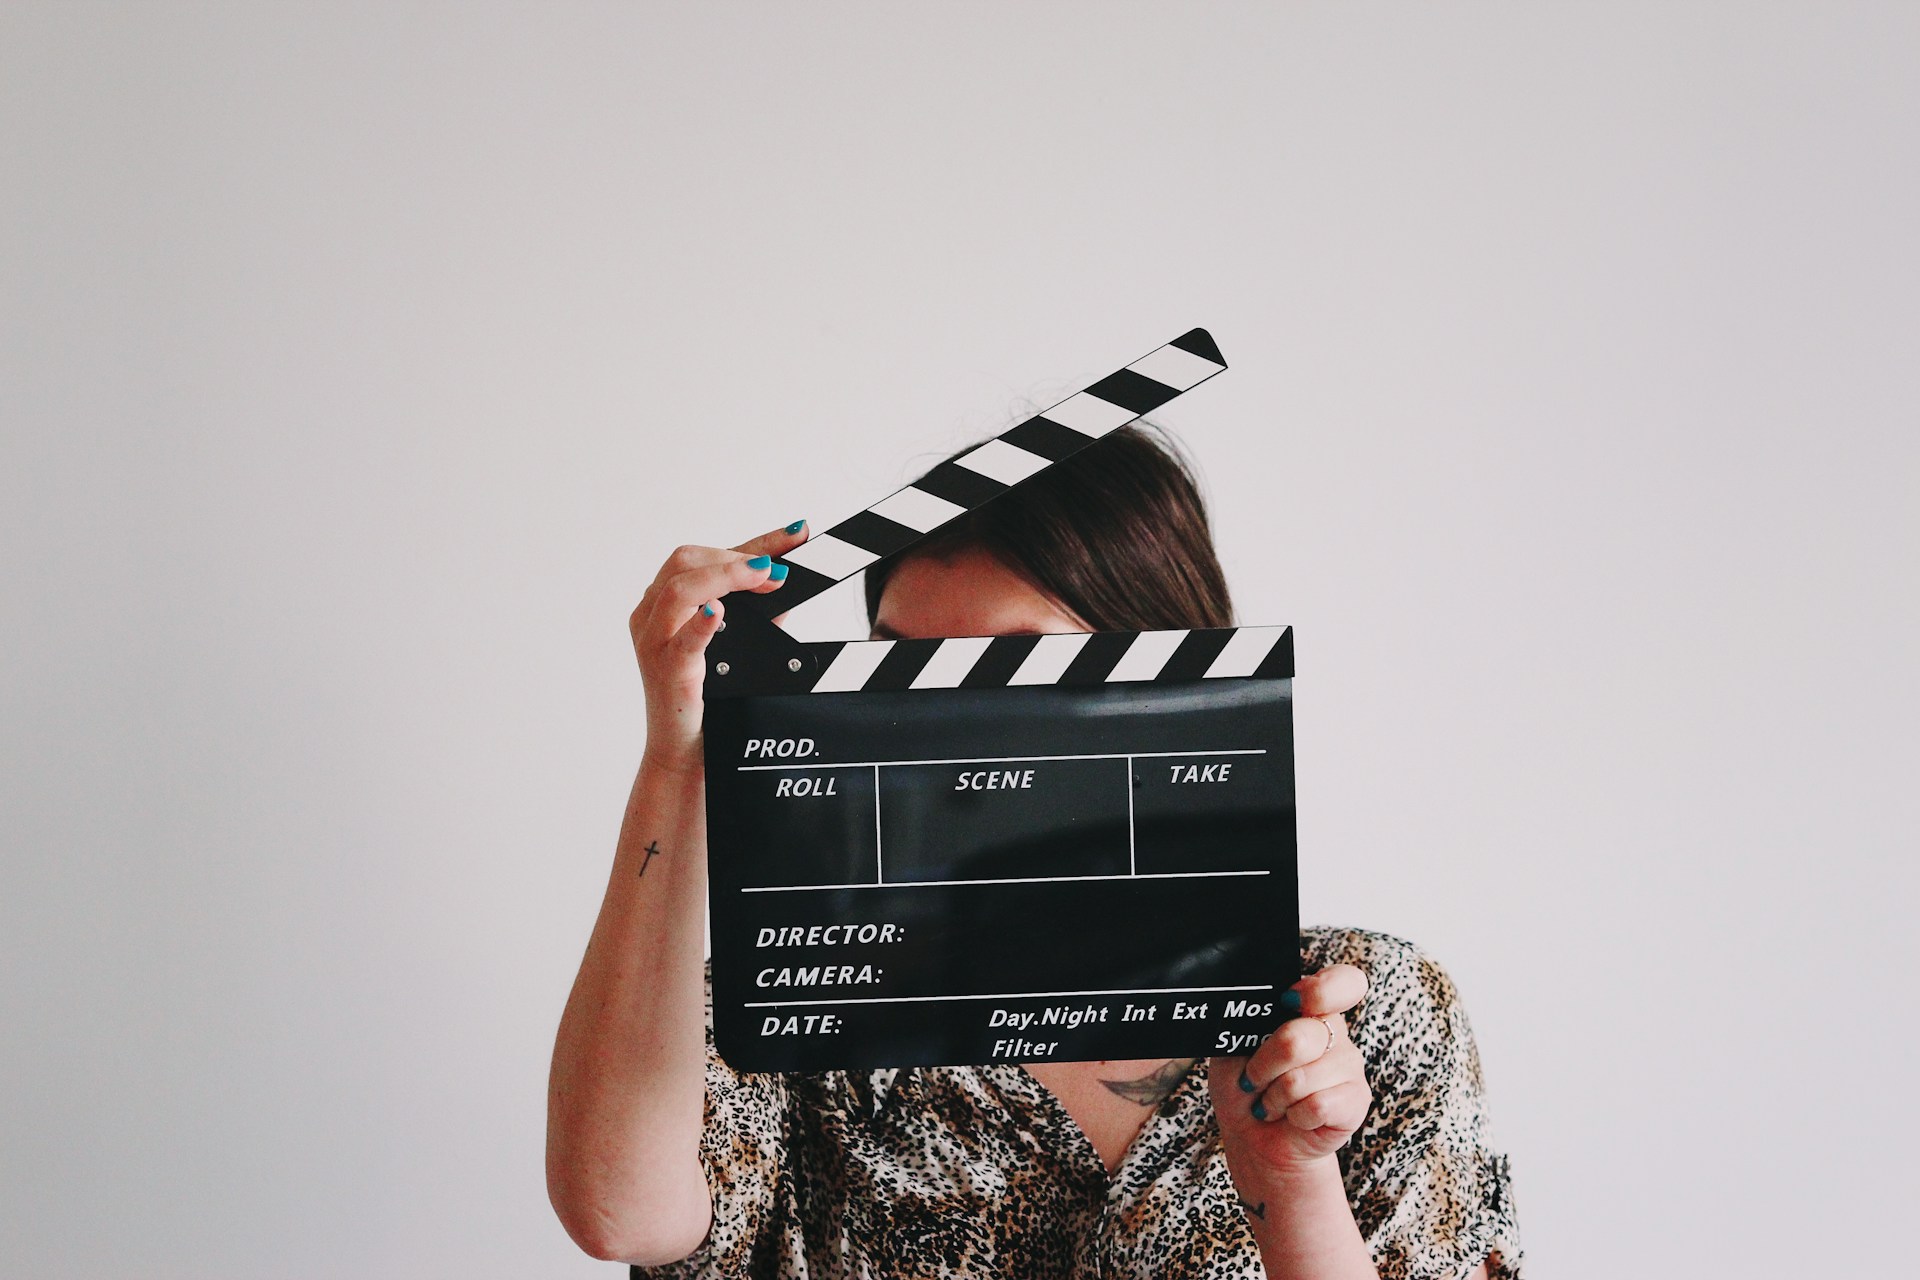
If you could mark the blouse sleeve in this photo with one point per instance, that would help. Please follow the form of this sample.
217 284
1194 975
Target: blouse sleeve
743 1149
1431 1194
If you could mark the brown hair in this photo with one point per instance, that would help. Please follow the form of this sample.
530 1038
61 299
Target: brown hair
1118 533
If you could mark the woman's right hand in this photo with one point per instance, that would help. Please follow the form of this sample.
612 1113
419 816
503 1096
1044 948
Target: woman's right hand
676 618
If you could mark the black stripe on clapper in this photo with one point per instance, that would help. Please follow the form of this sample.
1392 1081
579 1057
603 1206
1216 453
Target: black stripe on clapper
1195 654
960 486
875 533
802 584
1198 342
997 665
902 663
1133 391
1047 438
1096 659
824 652
1279 659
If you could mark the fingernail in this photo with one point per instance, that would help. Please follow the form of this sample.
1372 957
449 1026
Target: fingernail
707 609
759 562
1290 1003
1259 1111
796 526
1246 1085
779 573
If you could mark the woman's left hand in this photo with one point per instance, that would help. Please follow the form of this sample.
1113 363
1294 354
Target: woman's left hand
1303 1092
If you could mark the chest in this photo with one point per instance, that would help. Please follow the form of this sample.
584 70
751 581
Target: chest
998 1172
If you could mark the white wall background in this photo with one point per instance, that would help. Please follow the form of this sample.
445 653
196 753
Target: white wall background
361 364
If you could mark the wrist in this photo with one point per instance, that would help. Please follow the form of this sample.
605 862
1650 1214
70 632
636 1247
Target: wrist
1291 1180
674 768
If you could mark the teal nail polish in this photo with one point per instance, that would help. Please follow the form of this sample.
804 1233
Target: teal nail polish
1290 1003
1246 1085
796 526
707 609
779 573
1259 1111
759 562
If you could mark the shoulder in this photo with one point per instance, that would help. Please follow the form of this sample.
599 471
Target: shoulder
1387 961
1411 1003
1430 1190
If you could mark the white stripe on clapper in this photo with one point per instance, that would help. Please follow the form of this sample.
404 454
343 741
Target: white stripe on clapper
1172 367
825 554
951 662
1146 655
1244 651
917 509
1089 415
1009 464
1050 658
852 666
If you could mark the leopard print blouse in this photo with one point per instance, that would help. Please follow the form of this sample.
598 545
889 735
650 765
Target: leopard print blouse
944 1172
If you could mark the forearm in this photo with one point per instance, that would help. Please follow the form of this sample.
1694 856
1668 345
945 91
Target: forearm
1304 1226
625 1095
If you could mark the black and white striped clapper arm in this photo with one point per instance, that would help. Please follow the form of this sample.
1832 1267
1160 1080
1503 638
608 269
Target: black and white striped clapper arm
1071 658
954 488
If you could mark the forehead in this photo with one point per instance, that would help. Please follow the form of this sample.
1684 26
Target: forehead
969 593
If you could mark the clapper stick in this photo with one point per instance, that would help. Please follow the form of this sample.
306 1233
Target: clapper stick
753 655
981 849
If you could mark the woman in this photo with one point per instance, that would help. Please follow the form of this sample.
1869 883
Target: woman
1353 1142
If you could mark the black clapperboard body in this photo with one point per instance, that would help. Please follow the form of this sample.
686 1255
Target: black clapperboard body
997 849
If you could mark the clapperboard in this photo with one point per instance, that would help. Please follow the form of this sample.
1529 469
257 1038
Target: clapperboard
997 848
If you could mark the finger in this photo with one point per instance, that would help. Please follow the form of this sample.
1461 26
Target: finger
778 542
706 622
1344 1106
776 573
1335 989
675 598
1295 1044
691 556
1344 1063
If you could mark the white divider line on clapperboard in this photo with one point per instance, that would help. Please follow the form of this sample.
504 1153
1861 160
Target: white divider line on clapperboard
879 868
1112 755
1132 866
1009 995
928 884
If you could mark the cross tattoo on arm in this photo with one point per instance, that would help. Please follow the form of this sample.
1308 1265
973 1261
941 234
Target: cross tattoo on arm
652 848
